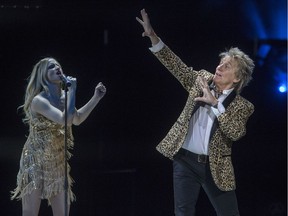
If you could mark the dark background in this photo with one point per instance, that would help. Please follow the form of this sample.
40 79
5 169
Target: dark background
116 169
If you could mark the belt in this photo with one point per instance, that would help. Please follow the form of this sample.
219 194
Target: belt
200 158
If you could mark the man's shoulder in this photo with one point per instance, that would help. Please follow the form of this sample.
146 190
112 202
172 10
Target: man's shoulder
240 99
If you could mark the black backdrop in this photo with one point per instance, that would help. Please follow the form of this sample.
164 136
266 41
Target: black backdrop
116 168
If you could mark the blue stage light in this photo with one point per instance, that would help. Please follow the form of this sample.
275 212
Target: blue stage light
282 88
281 79
267 23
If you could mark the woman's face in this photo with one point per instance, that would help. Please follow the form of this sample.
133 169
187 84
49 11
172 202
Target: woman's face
53 71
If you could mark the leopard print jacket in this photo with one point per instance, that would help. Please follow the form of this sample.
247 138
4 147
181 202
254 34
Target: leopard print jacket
229 126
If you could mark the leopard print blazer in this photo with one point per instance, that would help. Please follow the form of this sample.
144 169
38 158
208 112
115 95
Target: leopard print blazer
228 127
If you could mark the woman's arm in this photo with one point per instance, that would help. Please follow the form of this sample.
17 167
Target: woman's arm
82 113
43 106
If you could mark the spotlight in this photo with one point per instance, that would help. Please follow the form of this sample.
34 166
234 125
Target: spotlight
282 88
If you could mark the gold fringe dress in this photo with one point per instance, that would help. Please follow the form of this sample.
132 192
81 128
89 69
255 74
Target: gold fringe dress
42 163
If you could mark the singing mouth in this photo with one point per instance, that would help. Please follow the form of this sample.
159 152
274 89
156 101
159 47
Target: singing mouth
218 74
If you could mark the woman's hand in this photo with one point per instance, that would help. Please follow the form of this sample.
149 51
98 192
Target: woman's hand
73 82
100 90
82 113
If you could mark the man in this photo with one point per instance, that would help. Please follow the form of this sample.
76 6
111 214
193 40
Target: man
200 141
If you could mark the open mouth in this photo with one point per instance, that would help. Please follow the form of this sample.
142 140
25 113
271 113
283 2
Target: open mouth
58 72
218 74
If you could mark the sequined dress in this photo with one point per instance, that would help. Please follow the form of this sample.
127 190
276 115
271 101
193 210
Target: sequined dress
42 163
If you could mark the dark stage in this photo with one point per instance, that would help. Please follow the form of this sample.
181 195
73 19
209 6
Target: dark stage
115 165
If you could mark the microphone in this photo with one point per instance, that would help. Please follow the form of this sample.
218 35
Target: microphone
64 79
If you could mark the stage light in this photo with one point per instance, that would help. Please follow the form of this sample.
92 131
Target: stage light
281 79
267 21
282 88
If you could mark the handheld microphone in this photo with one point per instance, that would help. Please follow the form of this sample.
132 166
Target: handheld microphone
64 79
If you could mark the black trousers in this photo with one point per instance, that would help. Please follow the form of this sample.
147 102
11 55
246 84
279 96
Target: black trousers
189 176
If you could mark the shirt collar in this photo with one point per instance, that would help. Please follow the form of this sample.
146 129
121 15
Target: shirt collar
227 91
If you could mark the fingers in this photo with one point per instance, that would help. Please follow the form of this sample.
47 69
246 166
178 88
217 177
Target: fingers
144 16
71 78
101 87
140 21
200 81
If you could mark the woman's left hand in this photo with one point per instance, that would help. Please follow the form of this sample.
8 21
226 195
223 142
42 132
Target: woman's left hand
100 90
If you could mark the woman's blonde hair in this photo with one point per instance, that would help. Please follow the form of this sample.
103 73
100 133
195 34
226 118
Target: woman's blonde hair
37 82
245 67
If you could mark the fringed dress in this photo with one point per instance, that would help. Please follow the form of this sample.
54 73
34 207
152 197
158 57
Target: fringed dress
42 163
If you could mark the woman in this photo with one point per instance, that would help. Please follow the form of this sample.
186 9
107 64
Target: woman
42 164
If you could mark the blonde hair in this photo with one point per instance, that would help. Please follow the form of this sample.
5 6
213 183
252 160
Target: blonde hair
245 66
37 82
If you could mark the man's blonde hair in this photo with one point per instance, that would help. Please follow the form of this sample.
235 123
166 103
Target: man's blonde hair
245 66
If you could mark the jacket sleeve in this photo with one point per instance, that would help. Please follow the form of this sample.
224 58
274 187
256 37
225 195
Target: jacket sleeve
184 74
233 121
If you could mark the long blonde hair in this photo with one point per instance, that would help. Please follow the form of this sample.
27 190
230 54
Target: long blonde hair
37 82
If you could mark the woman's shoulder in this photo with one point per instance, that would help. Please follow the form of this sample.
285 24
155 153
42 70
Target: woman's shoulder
40 97
39 101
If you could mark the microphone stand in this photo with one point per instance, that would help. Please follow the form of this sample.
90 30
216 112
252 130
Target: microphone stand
66 154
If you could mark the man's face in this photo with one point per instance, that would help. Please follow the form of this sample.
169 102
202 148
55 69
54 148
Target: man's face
225 75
